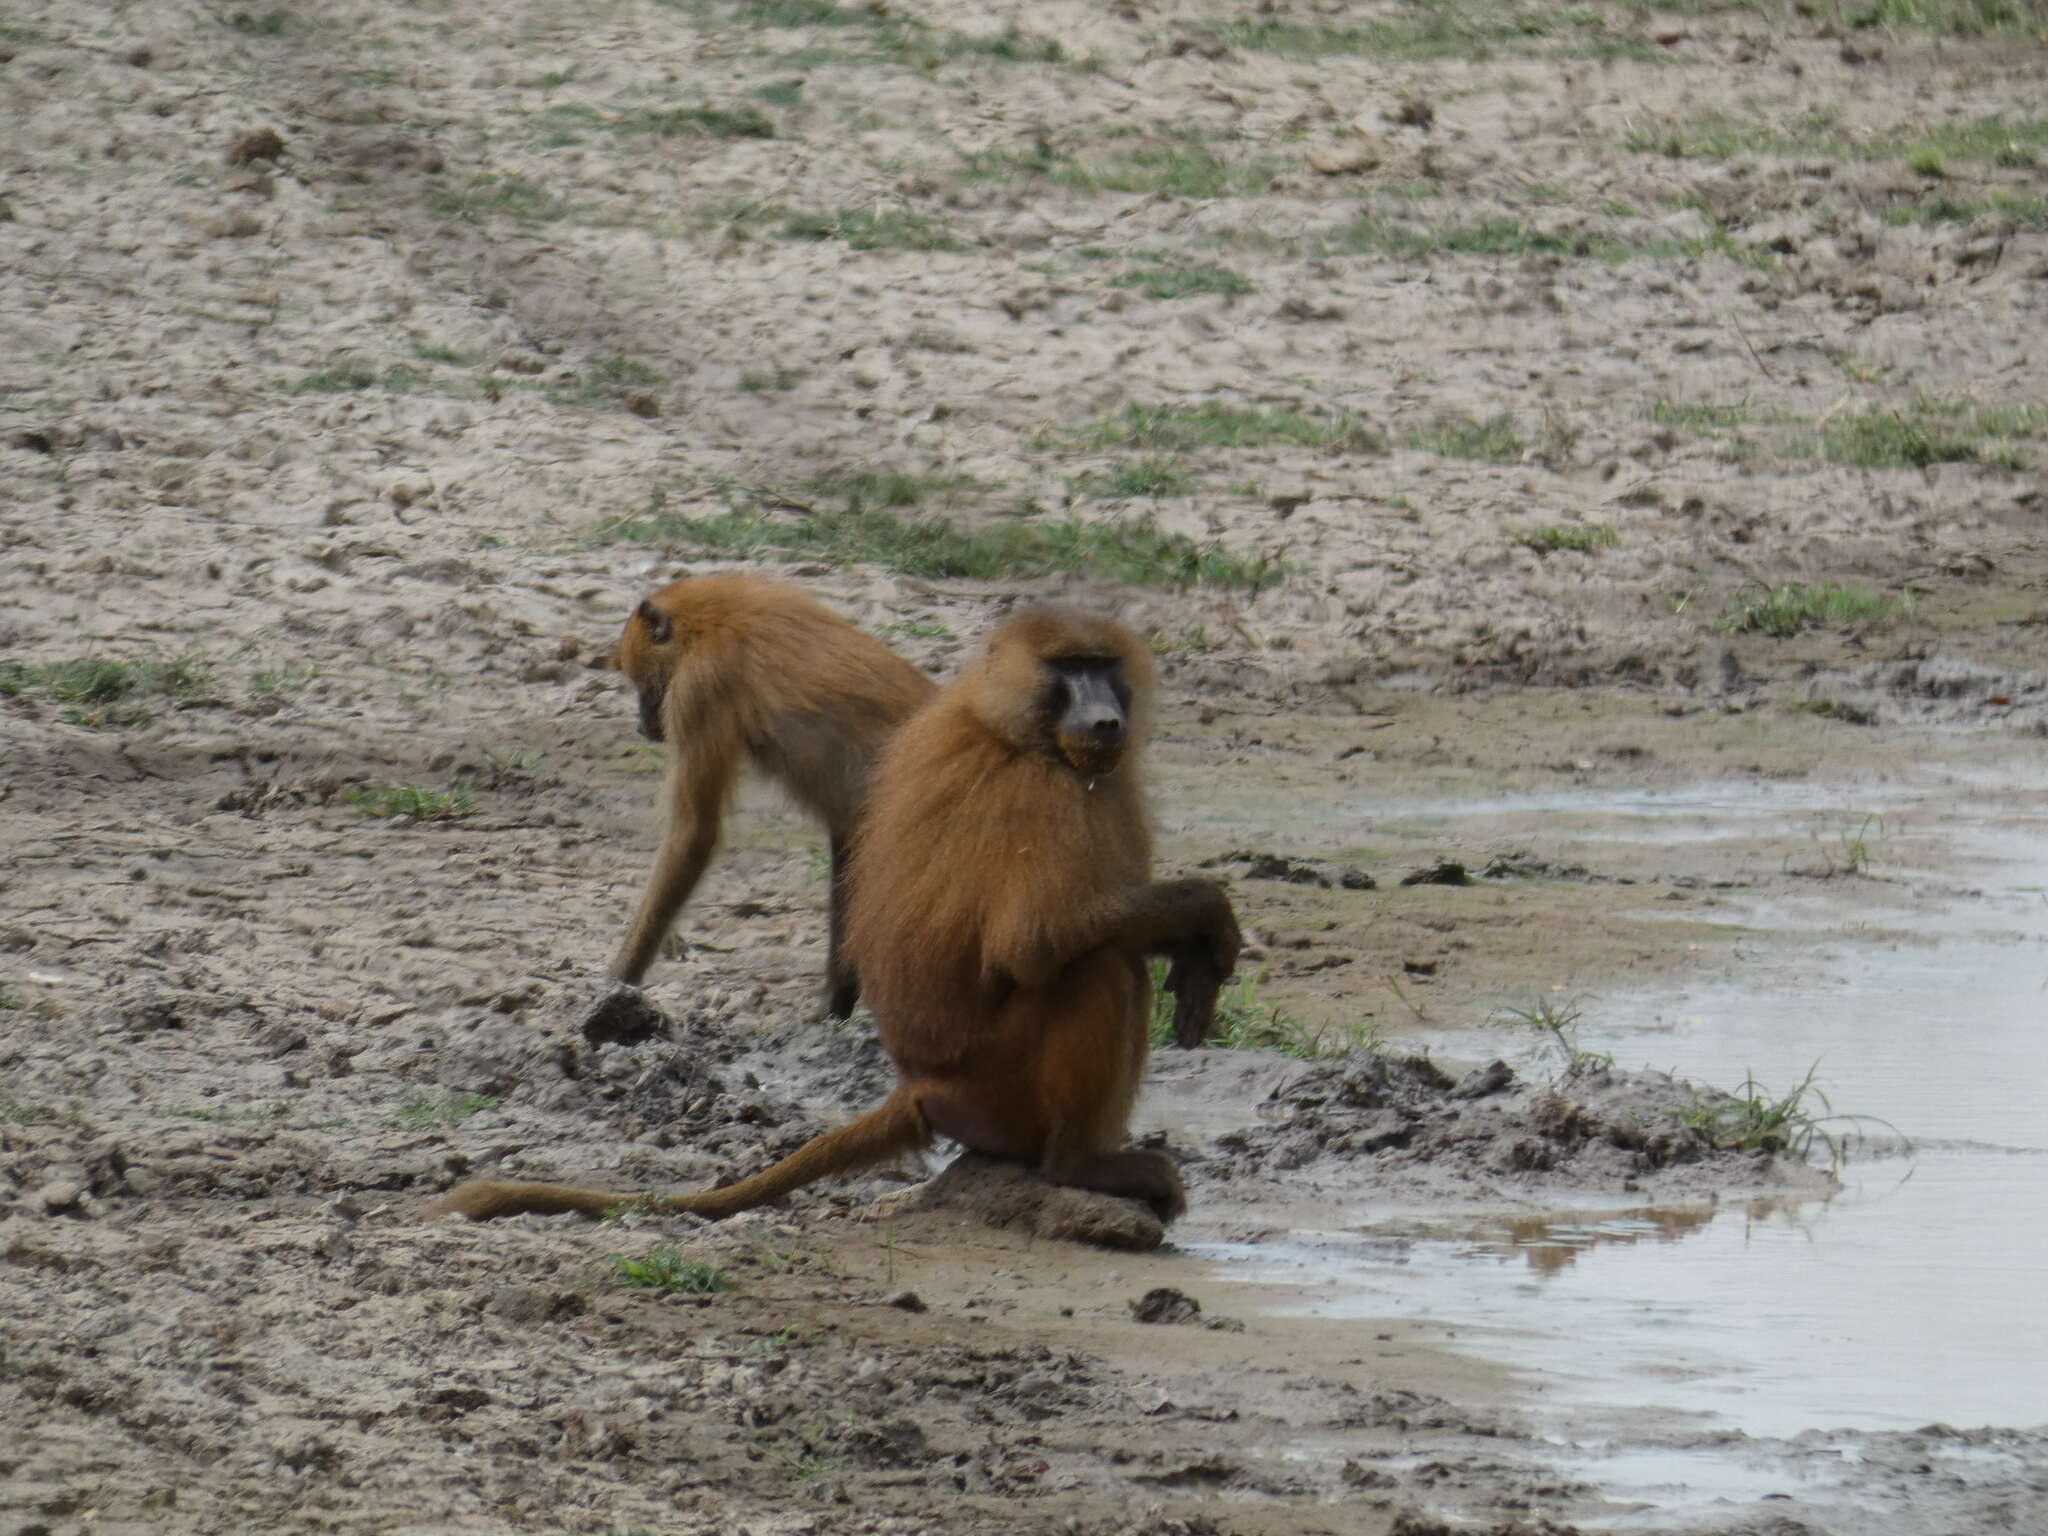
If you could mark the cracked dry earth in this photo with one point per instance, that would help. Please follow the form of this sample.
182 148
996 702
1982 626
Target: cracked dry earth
361 364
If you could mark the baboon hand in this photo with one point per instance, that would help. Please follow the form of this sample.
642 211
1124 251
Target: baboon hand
1194 979
1202 961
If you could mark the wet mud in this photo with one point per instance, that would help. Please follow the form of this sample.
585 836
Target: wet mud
359 369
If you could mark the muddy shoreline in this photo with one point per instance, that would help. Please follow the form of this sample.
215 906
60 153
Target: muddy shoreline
360 369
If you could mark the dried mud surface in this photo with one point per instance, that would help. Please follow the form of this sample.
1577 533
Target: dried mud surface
340 345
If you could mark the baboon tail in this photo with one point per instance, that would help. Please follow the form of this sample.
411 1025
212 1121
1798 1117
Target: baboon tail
897 1126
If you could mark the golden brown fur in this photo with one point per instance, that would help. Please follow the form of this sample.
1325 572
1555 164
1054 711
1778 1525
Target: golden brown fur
1002 913
733 667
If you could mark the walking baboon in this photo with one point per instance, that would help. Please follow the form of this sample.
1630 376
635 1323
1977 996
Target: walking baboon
1003 911
733 666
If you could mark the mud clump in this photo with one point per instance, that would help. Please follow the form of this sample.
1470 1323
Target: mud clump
1490 1133
624 1017
1007 1195
1321 873
1164 1304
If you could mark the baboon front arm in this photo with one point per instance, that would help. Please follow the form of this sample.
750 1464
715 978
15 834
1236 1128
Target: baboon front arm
1160 917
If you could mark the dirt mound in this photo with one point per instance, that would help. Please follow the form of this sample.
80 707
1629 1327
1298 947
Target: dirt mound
1489 1134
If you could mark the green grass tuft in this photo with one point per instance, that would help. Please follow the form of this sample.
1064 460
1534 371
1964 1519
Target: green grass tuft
385 801
1170 280
1556 1024
1134 478
1247 1022
1786 610
1931 432
1441 29
494 194
1699 416
1492 440
1218 424
2029 213
1822 134
1372 235
1133 551
1755 1120
350 378
1171 169
669 1271
99 694
871 229
611 381
268 24
1956 18
416 1112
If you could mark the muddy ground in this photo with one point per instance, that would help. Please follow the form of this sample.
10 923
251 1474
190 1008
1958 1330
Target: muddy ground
361 364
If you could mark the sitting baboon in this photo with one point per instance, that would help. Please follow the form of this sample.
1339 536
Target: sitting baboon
1003 912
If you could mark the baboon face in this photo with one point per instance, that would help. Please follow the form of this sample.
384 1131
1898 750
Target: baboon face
1086 706
644 655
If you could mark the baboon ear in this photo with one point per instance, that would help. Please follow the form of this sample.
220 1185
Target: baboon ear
659 627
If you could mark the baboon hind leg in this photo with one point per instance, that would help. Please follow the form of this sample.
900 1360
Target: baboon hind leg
842 986
1092 1048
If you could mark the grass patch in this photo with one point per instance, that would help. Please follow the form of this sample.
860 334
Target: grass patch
1169 169
1170 280
416 1112
277 1111
1786 610
1699 416
434 352
1245 1021
893 489
1932 432
870 229
1491 440
19 1112
1372 235
277 682
1957 18
1584 538
1134 478
386 801
351 378
1218 424
1753 1119
266 24
1134 551
1555 1024
1853 847
1444 29
895 39
564 124
1821 134
2027 212
670 1271
495 195
98 694
612 382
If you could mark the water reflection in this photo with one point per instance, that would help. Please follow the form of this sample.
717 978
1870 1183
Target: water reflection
1550 1245
1911 1295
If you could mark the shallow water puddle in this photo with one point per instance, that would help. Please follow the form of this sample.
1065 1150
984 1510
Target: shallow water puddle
1914 1295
